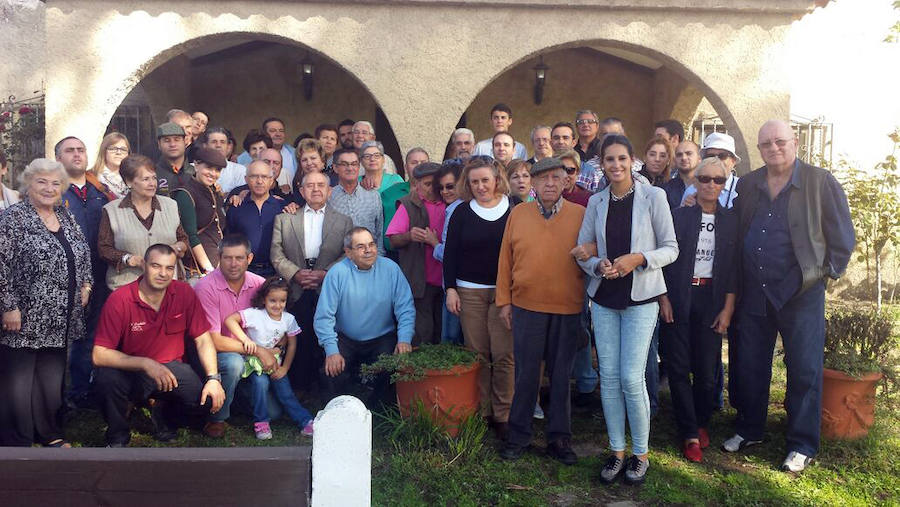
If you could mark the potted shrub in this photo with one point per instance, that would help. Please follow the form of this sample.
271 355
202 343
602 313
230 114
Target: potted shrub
444 378
859 352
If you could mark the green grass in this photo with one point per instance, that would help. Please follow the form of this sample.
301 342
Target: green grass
413 467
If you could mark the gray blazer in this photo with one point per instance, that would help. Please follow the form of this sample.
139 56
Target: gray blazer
287 254
652 234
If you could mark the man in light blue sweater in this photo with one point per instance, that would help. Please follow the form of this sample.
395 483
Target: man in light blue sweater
365 309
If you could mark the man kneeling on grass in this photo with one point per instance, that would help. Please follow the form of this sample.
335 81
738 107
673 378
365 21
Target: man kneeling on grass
139 352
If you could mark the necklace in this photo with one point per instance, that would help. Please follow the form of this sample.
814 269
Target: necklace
616 198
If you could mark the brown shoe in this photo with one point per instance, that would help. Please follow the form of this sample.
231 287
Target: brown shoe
214 429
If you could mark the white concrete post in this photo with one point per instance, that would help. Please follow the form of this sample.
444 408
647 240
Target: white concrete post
342 455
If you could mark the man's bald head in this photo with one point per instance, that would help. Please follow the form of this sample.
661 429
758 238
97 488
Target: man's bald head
777 144
259 167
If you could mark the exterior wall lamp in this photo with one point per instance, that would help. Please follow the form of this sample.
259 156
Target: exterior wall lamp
540 76
307 70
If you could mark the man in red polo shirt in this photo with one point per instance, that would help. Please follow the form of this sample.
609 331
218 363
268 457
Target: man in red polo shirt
139 351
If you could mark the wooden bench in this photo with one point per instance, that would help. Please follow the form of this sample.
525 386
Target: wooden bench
134 477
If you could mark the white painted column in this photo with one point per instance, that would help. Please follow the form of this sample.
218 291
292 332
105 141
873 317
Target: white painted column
342 454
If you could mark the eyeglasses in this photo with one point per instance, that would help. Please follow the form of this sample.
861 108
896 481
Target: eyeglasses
768 144
116 149
347 164
372 156
258 177
586 121
722 155
718 180
449 186
571 170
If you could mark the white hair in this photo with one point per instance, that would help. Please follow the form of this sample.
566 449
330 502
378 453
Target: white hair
42 166
463 130
364 122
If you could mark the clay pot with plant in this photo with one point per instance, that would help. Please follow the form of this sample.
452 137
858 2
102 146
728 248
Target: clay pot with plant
443 378
860 355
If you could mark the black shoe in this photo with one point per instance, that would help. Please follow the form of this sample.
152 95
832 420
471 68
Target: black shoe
636 470
501 429
561 451
162 432
512 452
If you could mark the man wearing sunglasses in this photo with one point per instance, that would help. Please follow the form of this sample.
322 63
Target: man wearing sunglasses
794 232
721 146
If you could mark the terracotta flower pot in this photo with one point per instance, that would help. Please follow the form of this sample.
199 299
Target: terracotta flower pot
848 404
451 395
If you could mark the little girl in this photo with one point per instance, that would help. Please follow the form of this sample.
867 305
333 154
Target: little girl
268 326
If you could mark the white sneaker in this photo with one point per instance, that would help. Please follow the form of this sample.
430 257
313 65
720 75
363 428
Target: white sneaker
737 443
538 411
796 462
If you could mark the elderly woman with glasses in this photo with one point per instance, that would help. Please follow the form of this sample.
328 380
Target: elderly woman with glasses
697 309
573 193
45 283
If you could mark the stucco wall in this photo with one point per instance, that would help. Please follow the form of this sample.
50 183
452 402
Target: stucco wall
578 78
423 62
23 44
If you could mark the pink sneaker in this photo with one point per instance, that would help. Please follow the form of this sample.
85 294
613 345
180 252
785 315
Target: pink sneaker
262 430
308 429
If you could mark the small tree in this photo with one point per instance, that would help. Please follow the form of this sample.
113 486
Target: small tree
875 209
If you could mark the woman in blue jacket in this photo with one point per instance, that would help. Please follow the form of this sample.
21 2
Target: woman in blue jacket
699 304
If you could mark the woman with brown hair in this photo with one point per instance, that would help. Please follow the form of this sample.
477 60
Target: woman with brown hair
131 224
657 160
518 173
113 149
471 254
202 210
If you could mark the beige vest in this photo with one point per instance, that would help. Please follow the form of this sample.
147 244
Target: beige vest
132 237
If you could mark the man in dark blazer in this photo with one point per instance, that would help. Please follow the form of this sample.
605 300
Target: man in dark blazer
304 247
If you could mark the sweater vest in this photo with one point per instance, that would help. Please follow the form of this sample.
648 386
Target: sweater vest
131 236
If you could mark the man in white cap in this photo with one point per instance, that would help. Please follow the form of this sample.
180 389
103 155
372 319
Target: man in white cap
721 146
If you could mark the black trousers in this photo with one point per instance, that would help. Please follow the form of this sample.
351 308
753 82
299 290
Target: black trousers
355 354
31 385
115 388
309 357
551 338
429 309
693 348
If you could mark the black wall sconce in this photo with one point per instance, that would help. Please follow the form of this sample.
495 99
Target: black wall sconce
540 77
307 70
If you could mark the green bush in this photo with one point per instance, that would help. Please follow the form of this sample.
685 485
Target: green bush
860 340
412 366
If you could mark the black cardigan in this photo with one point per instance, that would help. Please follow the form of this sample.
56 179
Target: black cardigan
472 250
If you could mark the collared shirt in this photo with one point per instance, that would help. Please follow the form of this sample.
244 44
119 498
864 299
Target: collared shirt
219 301
232 176
770 268
256 223
133 327
434 271
86 205
313 221
363 305
363 207
486 147
592 179
548 213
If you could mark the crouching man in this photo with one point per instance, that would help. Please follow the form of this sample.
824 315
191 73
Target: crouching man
139 352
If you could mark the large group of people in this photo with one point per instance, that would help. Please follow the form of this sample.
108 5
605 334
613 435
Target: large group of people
209 280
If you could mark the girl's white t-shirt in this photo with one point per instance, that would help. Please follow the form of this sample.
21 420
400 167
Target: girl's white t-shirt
266 331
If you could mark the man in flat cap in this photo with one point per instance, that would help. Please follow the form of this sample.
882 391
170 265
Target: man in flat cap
414 232
172 169
540 293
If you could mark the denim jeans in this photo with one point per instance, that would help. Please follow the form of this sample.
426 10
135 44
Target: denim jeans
801 324
451 331
231 365
623 342
583 371
652 374
260 383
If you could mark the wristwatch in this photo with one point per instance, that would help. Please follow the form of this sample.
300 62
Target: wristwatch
125 258
214 376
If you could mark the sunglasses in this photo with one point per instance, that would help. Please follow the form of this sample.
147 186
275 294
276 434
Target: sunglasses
449 186
718 180
571 170
721 156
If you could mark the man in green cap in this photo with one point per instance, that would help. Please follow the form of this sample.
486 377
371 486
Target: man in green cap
172 168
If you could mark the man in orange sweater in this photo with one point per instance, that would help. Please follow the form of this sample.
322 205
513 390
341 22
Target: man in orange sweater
540 293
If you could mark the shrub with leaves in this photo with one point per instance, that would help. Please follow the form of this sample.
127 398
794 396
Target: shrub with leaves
860 340
412 366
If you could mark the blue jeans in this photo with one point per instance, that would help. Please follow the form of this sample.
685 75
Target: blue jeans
801 323
583 371
231 365
652 374
451 331
623 341
260 383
